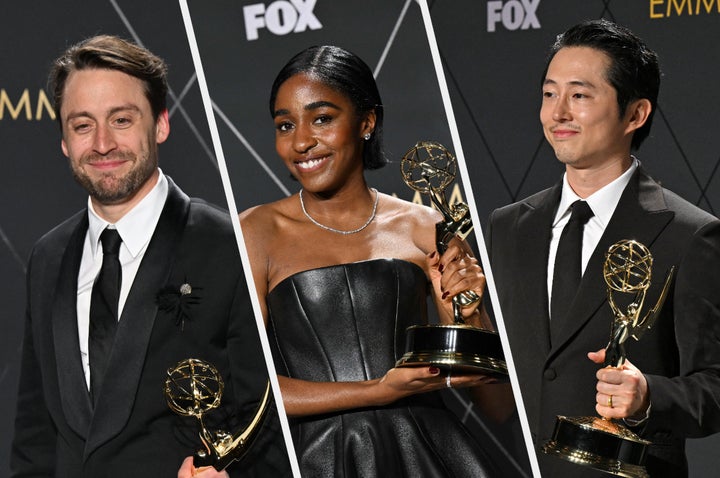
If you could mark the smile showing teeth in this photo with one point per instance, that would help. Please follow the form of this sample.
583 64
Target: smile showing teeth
309 164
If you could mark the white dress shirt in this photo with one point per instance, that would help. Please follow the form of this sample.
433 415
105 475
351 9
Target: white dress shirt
602 202
136 229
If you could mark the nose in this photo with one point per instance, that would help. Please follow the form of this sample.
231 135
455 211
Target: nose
304 139
561 111
104 140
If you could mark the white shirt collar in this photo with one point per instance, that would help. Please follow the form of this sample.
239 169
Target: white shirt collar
602 202
138 225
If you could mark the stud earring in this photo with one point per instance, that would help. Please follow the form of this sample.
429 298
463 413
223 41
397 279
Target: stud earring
367 137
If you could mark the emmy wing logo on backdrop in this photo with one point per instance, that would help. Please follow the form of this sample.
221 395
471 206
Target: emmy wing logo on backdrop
601 443
194 387
429 168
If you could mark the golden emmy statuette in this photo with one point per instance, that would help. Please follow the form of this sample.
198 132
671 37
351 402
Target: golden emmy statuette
430 168
601 443
194 387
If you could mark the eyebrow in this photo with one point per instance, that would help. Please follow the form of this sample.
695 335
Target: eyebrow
309 107
116 109
587 84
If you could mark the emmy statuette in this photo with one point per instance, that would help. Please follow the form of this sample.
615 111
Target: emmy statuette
601 443
194 387
430 168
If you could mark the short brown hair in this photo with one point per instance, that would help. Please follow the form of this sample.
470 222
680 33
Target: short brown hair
112 53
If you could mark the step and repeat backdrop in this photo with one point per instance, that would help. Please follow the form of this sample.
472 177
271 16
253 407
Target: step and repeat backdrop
38 191
493 53
243 46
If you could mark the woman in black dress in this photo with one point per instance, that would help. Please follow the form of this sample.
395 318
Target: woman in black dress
341 270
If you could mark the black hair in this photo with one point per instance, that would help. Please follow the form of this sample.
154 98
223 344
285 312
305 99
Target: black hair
346 73
634 70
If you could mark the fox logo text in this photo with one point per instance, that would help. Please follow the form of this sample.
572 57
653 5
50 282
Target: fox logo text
514 14
280 17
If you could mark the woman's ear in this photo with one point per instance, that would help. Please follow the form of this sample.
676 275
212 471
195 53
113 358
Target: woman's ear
367 125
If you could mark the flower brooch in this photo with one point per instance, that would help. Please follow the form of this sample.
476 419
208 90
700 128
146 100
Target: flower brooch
177 301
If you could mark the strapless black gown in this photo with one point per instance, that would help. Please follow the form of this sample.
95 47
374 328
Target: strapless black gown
347 323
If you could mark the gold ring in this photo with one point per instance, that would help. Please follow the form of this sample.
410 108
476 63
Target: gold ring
609 403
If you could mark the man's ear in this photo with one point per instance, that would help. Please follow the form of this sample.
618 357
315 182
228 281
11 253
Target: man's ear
162 127
637 114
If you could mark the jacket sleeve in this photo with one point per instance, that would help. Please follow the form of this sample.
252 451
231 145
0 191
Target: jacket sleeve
34 441
267 455
690 401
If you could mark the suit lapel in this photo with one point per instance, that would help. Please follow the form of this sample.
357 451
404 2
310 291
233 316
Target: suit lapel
117 396
641 214
533 222
74 394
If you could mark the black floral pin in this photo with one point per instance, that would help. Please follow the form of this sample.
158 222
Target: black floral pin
178 301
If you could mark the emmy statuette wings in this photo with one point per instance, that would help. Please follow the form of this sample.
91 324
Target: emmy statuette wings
194 387
430 168
601 443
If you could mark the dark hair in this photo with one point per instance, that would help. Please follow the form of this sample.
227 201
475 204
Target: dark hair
346 73
111 53
634 71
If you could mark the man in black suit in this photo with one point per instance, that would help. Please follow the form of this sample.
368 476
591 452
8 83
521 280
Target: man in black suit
600 90
91 400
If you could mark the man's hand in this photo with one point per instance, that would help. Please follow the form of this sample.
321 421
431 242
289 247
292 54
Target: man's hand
621 392
188 470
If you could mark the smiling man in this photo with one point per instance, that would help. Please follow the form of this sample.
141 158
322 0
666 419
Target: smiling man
599 93
140 279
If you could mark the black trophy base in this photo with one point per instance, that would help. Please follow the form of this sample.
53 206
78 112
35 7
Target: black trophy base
599 443
460 348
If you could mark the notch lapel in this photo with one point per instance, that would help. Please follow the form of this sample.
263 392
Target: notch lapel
534 229
641 214
118 394
74 395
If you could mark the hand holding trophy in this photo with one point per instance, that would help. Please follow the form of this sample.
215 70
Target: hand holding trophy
194 387
430 168
600 442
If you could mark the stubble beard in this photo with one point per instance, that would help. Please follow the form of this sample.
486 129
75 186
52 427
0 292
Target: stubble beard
112 188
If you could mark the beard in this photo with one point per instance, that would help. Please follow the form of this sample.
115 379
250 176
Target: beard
113 187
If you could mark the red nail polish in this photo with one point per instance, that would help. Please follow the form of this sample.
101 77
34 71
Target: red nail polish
445 294
441 267
434 370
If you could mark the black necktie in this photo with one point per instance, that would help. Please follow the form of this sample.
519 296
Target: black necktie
104 309
568 261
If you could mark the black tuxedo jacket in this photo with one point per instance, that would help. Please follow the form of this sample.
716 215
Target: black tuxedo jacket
131 431
680 355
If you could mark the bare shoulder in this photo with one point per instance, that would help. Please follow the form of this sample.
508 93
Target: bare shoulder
262 225
407 220
263 218
417 214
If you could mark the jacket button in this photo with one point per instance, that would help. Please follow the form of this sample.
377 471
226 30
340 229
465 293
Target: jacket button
549 374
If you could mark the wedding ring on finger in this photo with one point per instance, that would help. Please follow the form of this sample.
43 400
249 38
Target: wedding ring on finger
610 401
448 384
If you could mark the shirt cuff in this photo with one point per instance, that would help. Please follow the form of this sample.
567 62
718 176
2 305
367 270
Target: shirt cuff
634 422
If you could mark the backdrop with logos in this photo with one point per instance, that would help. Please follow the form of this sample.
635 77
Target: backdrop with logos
38 191
243 45
492 51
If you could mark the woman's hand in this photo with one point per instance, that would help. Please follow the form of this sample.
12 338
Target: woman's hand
188 470
401 382
456 271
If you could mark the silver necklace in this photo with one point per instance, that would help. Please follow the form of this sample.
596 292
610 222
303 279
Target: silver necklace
338 231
